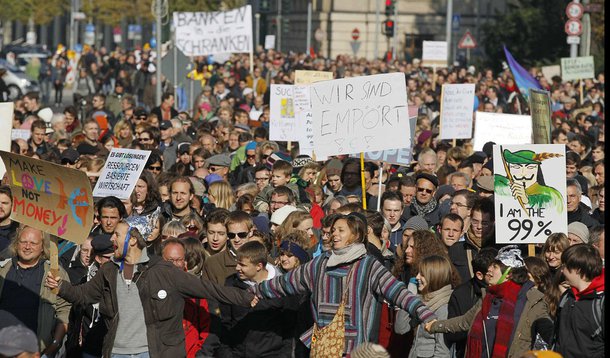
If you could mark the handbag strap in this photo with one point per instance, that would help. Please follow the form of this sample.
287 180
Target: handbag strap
347 284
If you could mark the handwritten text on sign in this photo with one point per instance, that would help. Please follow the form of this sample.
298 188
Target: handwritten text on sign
121 172
577 68
360 114
501 128
456 111
50 197
527 208
282 122
208 33
540 107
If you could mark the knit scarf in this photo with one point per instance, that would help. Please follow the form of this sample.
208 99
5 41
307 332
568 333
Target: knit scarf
425 209
434 300
346 255
507 292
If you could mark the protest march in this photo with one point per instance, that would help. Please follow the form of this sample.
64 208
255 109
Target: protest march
302 206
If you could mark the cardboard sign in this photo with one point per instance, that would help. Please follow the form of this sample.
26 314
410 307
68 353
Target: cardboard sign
269 42
577 68
360 114
217 32
540 107
550 71
302 77
50 197
530 201
456 111
434 53
282 121
6 123
501 128
121 172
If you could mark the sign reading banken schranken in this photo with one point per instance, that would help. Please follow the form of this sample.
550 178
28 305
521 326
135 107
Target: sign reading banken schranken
208 33
360 114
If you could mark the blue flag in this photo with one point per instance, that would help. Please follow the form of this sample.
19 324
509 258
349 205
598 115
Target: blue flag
523 79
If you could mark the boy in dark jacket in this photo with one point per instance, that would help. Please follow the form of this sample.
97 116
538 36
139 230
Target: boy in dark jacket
580 319
265 330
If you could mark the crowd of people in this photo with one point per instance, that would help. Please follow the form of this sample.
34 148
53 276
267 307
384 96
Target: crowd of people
232 245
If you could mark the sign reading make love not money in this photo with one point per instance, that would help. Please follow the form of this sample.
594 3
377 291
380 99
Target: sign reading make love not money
530 192
50 197
360 114
121 172
216 32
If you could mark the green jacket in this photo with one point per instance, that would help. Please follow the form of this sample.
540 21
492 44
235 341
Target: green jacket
51 308
540 196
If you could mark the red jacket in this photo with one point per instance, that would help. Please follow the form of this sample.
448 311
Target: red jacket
196 324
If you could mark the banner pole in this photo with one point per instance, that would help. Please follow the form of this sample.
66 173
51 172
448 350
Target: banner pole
54 253
379 182
581 91
251 62
362 180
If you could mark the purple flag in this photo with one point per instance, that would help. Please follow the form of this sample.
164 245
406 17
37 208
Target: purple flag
523 79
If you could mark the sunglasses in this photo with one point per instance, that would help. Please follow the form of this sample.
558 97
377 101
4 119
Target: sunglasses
242 235
144 139
428 191
154 168
251 156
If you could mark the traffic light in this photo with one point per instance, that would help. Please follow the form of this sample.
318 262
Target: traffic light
388 28
389 7
285 25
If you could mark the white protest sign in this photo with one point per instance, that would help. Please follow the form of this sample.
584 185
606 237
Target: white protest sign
501 128
24 134
434 53
6 123
577 68
208 33
269 42
456 111
304 77
282 120
550 71
535 207
360 114
302 102
121 172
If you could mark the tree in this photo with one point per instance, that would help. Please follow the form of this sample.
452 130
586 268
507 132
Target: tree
532 30
41 11
598 36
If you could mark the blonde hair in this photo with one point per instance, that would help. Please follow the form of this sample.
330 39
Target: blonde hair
46 241
222 193
119 126
290 224
173 229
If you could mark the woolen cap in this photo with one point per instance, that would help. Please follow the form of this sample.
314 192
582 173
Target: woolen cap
165 125
579 229
221 160
15 340
334 167
281 214
416 223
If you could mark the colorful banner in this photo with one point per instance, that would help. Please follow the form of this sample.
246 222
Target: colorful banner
217 32
540 108
523 79
529 192
121 172
50 197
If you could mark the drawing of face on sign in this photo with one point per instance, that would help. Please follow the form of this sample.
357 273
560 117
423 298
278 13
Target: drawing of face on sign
525 181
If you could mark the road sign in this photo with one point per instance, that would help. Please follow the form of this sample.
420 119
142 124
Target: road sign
573 27
574 10
355 34
455 22
467 41
573 40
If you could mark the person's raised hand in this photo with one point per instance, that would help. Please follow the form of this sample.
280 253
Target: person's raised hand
52 282
428 326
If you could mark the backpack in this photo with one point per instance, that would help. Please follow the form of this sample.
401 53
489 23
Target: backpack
598 316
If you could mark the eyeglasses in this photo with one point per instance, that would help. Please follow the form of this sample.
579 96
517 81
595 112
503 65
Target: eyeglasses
459 205
251 156
428 191
279 202
242 235
154 168
174 260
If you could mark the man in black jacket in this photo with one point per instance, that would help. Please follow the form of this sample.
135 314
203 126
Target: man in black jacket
150 316
577 211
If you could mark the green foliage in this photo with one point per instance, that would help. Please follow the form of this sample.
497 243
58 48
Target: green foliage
532 30
41 11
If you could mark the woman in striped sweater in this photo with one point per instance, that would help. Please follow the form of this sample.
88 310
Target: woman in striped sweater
327 278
